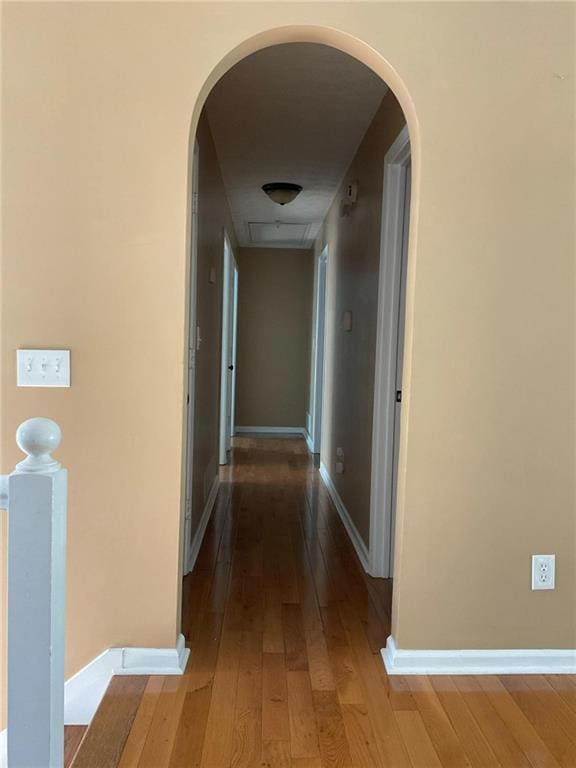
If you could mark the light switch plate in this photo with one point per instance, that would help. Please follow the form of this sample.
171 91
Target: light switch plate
43 367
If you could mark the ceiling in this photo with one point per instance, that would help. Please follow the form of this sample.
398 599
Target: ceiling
295 112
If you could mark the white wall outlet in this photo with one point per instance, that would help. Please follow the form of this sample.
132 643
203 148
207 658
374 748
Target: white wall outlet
340 453
43 367
543 571
339 467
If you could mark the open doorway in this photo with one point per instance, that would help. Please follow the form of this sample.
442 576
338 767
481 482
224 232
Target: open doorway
228 350
191 363
388 375
319 334
315 357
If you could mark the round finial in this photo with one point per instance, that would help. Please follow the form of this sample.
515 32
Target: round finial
38 437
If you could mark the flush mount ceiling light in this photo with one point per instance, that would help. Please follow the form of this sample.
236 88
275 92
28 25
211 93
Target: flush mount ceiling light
282 192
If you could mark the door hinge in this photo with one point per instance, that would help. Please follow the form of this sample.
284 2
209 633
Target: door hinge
398 395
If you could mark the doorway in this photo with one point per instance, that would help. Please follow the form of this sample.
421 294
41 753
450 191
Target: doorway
191 362
397 188
228 354
361 299
314 443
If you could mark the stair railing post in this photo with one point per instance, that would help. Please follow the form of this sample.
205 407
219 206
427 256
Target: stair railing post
36 500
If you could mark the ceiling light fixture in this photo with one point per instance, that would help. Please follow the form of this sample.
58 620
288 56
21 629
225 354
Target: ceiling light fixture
282 192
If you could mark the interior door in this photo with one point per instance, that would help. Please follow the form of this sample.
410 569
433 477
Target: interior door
400 352
227 378
232 393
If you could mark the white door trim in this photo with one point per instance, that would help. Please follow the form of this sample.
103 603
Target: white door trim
318 360
381 511
191 360
232 419
227 340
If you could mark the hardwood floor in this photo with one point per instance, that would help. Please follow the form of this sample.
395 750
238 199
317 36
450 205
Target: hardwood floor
285 672
73 735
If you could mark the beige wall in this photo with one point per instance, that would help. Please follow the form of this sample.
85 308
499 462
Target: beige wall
213 219
97 102
274 320
352 285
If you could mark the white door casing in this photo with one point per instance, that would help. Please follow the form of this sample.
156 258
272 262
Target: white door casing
389 349
318 359
227 361
232 422
191 362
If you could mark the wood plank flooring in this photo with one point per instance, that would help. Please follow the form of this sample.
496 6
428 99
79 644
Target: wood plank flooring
285 631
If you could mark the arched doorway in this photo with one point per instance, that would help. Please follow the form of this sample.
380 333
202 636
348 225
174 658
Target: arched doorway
376 558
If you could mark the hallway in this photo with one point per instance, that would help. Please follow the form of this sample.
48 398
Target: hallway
285 631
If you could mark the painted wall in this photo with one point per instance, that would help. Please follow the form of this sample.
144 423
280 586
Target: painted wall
97 105
352 285
274 320
213 219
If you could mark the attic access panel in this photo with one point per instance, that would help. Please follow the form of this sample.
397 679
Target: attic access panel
278 233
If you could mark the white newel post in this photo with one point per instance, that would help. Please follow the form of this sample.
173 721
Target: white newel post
37 491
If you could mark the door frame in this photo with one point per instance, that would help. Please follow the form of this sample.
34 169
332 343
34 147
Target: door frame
316 400
235 278
229 308
191 361
382 504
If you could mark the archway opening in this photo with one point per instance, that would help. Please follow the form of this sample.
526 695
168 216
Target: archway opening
319 285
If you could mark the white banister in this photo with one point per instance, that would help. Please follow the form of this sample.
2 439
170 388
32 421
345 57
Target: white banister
35 495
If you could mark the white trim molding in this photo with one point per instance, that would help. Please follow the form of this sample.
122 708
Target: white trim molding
536 661
318 345
278 432
309 441
271 431
387 329
194 548
84 691
351 530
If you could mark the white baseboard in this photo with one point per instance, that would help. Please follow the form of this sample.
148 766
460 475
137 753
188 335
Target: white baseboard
271 431
83 692
202 525
355 538
278 432
535 661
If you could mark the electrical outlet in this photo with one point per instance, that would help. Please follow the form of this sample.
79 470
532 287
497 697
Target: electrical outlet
543 571
339 468
340 453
